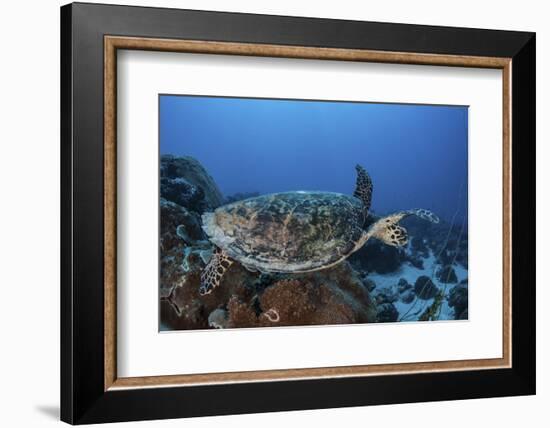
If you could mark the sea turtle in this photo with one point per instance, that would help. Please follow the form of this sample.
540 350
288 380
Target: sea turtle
297 232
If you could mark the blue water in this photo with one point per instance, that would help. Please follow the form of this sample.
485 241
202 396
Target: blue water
417 155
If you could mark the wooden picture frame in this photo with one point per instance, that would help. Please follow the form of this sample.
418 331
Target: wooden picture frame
91 390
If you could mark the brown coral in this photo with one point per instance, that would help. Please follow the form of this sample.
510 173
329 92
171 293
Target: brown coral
332 296
241 314
243 299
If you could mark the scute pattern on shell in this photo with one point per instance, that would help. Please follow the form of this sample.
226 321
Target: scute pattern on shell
287 232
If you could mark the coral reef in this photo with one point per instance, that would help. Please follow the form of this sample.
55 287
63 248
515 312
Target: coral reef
332 296
378 283
173 215
337 296
190 170
182 192
246 299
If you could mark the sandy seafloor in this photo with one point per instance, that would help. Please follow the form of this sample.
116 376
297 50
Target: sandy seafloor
410 273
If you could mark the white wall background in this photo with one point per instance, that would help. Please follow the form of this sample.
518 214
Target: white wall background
29 214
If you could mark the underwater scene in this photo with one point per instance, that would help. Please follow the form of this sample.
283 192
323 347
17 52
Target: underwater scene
283 212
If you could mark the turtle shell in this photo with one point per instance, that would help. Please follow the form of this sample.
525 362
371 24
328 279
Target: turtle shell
288 232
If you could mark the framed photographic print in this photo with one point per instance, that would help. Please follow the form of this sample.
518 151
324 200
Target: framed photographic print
265 213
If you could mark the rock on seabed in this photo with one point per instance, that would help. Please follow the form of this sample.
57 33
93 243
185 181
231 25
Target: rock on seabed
190 170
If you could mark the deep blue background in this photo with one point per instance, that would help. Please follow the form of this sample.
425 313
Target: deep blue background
417 155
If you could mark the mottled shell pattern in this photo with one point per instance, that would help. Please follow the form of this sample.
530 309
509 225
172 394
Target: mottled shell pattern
288 232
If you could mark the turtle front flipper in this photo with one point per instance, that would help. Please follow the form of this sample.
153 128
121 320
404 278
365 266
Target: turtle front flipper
388 231
423 214
363 188
214 270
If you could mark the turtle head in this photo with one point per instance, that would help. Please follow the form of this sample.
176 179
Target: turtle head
390 232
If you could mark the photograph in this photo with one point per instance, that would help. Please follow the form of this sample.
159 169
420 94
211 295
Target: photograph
298 212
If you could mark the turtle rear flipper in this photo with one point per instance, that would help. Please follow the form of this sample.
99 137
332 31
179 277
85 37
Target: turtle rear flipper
213 271
388 231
